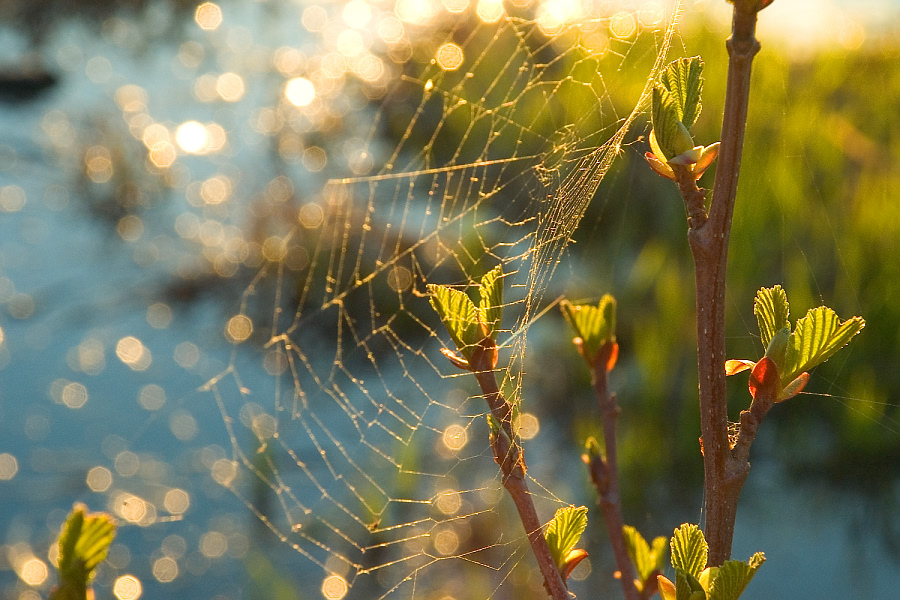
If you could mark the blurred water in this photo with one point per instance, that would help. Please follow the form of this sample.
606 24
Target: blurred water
74 291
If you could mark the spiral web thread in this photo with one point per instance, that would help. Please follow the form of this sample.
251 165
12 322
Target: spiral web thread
358 445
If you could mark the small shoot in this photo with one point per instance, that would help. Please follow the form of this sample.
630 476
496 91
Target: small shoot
595 330
83 544
695 581
674 109
647 558
562 533
790 355
470 326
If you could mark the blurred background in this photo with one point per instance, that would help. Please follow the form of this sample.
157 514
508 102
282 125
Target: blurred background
157 159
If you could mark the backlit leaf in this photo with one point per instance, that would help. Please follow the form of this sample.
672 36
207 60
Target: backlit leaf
689 550
733 578
83 544
595 325
564 531
491 300
457 313
681 78
772 312
816 338
646 559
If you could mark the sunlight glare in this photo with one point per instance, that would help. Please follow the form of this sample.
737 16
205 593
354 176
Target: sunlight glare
489 11
208 16
455 437
357 14
623 25
334 587
127 587
449 57
191 137
299 91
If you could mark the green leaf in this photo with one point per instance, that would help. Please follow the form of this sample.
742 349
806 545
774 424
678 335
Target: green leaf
646 560
681 78
490 302
83 544
689 550
458 314
670 134
816 338
595 325
564 531
733 578
687 587
772 312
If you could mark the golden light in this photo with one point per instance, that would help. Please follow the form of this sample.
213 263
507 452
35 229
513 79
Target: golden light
455 437
448 502
357 13
299 91
417 12
127 587
208 16
334 587
446 542
9 466
311 215
528 426
131 98
74 395
133 509
238 329
314 159
191 137
274 248
399 279
99 479
224 471
165 569
98 164
152 397
162 155
230 87
213 544
623 25
33 571
12 198
455 6
216 189
449 57
133 353
159 315
489 11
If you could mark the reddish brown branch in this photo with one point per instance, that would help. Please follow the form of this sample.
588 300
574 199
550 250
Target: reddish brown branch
508 454
605 472
709 246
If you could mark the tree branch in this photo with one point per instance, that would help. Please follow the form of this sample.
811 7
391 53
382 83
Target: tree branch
709 246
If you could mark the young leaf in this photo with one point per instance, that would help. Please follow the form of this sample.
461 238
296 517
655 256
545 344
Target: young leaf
646 560
83 544
772 312
816 338
682 80
490 301
595 325
457 313
689 550
733 577
670 134
564 531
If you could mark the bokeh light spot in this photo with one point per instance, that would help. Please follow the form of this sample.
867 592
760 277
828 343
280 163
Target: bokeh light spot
448 502
165 569
238 329
191 137
455 437
152 397
99 479
127 587
208 16
33 571
74 395
449 56
299 91
177 501
9 466
623 25
334 587
133 353
528 426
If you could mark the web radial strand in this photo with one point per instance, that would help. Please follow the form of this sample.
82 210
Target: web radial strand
365 451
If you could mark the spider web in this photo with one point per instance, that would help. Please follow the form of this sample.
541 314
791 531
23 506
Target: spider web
353 440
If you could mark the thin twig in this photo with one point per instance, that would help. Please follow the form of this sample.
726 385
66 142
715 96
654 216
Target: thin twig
508 454
605 473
